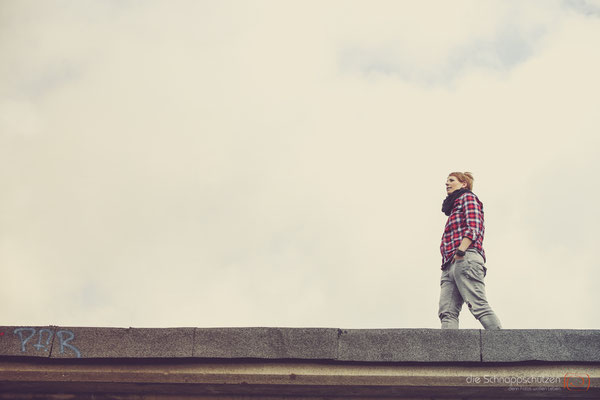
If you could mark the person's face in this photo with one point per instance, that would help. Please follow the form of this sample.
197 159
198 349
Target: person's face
453 184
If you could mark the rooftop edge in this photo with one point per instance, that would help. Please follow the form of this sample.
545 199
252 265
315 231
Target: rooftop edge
350 345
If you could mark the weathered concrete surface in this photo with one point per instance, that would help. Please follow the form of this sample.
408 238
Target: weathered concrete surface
266 343
410 345
235 379
26 341
374 345
126 343
511 345
311 363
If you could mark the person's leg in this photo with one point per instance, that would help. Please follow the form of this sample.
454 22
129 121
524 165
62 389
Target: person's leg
490 321
469 276
450 301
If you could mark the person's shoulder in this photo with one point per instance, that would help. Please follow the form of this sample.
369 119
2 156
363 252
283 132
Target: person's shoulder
469 196
470 199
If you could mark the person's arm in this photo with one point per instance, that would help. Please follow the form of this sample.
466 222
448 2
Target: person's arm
464 245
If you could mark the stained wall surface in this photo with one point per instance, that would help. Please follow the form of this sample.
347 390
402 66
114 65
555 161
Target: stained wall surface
310 362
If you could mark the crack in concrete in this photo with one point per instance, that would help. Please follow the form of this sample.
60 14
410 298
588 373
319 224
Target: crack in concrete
194 343
340 332
53 339
480 346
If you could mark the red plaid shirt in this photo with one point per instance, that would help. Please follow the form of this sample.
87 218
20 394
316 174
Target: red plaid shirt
466 220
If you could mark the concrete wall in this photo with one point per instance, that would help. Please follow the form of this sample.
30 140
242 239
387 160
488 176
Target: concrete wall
309 362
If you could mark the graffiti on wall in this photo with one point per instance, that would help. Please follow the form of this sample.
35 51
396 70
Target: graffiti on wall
41 340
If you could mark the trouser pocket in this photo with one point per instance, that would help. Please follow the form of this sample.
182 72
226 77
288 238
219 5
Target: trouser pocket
473 270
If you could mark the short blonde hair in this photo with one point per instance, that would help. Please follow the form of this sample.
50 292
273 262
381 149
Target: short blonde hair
464 177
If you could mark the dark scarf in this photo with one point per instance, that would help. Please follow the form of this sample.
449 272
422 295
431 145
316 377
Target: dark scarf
448 204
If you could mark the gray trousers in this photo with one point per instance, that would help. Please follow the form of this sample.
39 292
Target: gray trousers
463 282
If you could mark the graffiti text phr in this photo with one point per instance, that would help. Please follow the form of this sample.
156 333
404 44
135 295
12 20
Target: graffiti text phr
44 340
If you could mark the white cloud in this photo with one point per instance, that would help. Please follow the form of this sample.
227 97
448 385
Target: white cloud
440 42
586 7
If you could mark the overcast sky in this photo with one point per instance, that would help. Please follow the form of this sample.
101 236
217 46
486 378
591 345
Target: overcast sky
282 163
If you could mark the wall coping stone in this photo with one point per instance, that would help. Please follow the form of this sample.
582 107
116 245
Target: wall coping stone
296 344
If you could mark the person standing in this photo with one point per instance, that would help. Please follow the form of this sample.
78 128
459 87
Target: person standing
463 257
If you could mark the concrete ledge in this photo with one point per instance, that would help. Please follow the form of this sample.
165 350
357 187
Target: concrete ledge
304 363
410 345
124 343
318 380
514 345
31 341
266 343
353 345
